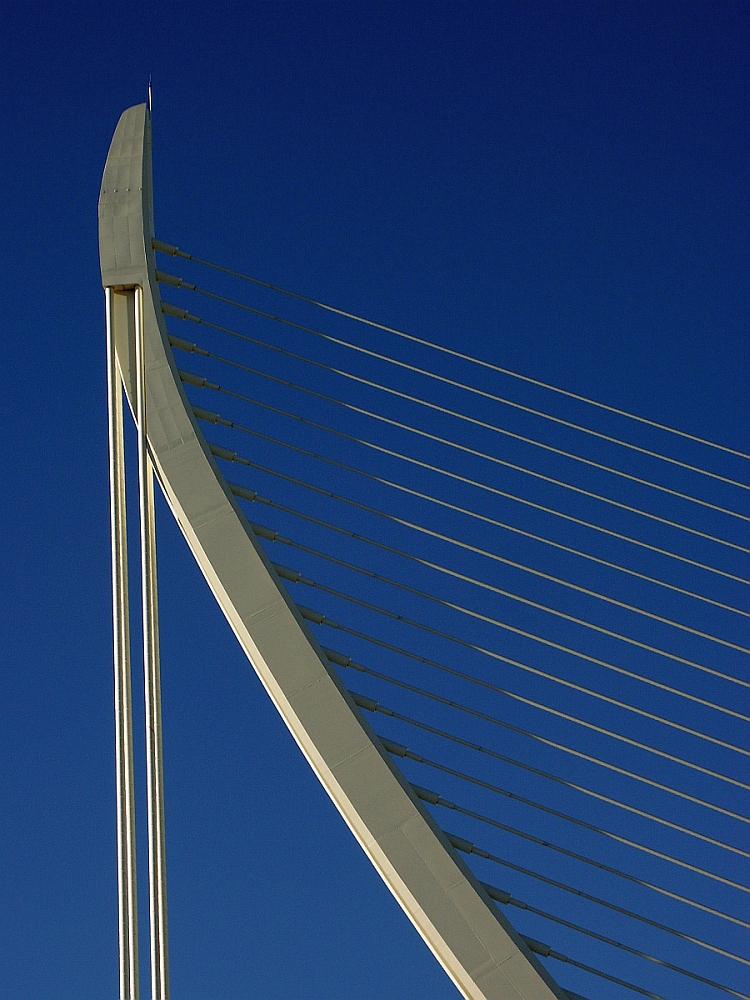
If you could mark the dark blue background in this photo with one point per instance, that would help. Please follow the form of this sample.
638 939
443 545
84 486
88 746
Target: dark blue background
561 188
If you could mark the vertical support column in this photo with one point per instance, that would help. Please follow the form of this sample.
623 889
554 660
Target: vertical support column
154 760
126 857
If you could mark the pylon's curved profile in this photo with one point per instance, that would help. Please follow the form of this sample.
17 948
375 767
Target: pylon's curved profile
480 951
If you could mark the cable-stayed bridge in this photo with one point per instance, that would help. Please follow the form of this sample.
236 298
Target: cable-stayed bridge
505 624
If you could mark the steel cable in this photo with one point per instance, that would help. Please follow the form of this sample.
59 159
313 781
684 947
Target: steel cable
188 346
401 751
230 456
346 661
524 567
174 251
200 381
398 750
215 419
462 416
272 535
604 939
372 705
185 315
458 385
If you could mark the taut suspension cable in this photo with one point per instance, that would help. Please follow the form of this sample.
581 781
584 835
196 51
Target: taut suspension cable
167 248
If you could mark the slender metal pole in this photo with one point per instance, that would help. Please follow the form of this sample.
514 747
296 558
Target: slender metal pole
126 857
157 876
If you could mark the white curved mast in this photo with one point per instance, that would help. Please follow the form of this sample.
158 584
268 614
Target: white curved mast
478 948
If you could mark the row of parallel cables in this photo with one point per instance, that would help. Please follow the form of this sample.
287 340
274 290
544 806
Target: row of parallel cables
538 600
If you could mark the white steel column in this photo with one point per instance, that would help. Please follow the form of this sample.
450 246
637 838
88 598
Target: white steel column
126 857
157 876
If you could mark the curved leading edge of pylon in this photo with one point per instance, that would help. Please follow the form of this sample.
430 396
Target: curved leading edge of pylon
479 950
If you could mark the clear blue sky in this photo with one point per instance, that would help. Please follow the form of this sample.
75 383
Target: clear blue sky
561 188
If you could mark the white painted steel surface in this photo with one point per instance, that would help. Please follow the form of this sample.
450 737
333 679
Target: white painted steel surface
478 948
157 871
126 858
